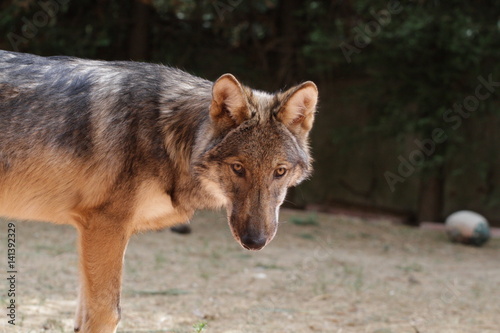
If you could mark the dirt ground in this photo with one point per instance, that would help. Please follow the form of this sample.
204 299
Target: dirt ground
322 273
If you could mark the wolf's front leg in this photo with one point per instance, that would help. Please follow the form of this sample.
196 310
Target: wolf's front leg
102 247
80 310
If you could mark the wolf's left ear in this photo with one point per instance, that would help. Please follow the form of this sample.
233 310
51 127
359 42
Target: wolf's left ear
229 107
299 106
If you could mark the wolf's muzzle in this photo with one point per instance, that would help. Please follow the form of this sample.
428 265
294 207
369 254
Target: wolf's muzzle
252 241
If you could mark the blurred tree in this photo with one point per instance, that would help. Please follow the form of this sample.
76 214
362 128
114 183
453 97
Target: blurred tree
139 45
408 63
425 58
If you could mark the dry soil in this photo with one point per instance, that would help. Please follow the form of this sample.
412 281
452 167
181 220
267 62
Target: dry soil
322 273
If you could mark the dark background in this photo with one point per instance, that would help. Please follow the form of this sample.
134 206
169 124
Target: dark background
405 126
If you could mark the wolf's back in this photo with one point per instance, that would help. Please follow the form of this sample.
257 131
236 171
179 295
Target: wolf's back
71 103
71 130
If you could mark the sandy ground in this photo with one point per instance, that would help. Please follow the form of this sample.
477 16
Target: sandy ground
322 273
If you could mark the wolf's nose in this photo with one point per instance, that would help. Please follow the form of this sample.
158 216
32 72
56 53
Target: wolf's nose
253 242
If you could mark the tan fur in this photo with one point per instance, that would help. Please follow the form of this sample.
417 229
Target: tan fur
154 209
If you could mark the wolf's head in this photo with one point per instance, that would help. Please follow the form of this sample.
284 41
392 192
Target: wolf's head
257 148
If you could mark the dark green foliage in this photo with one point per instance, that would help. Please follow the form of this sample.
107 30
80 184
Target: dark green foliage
397 87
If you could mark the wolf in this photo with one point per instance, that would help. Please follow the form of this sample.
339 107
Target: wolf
116 148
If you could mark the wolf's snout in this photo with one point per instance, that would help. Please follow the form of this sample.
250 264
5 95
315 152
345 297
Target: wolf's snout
254 231
253 242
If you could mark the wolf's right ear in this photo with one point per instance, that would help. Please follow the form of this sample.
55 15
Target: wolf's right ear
229 107
299 106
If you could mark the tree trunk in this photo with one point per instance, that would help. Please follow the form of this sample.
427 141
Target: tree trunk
289 35
139 36
431 197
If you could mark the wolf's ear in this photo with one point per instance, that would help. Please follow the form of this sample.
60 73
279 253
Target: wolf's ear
299 106
229 107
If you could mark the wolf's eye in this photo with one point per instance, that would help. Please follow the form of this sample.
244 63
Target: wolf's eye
238 169
280 172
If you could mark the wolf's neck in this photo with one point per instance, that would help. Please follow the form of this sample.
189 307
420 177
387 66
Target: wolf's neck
184 117
186 124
